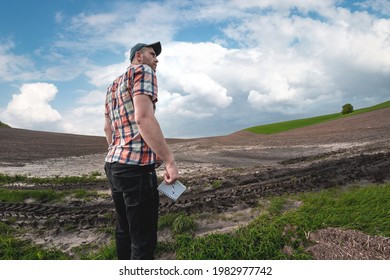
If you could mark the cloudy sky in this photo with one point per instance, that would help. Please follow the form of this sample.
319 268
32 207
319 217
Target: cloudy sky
224 66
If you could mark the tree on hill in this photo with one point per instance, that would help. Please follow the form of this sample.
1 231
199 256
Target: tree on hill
347 109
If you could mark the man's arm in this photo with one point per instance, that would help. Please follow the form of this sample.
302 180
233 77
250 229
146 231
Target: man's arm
108 129
150 131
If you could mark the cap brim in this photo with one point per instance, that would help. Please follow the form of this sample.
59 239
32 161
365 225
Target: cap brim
156 47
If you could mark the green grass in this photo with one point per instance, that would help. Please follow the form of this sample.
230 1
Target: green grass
293 124
27 251
44 196
96 252
361 208
12 248
56 180
178 223
3 124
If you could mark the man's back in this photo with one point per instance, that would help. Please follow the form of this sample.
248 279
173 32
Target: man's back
127 145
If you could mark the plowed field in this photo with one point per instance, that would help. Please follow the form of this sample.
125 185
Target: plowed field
226 174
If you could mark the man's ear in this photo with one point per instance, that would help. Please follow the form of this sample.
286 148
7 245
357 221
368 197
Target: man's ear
138 56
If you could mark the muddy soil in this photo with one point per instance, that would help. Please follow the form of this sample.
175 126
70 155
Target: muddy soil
226 176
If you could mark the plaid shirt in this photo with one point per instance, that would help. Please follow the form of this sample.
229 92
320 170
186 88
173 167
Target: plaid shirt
127 145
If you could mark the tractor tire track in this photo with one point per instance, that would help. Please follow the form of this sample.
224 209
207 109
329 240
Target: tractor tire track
238 189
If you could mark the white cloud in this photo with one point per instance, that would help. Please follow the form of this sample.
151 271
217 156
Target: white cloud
31 108
94 21
14 67
59 17
86 119
188 81
305 61
381 6
87 116
203 87
124 25
173 106
93 97
102 76
292 65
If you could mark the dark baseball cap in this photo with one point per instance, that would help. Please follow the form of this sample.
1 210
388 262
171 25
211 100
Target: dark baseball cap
156 47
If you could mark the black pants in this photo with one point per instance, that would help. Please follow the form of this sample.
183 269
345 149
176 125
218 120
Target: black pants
136 199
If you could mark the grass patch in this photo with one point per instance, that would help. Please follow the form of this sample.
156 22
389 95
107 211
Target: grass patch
96 252
361 208
44 196
57 180
216 184
37 195
12 248
366 209
3 124
178 223
293 124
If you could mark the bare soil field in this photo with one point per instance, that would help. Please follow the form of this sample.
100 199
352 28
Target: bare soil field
247 168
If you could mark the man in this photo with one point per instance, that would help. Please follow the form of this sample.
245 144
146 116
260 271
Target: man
136 147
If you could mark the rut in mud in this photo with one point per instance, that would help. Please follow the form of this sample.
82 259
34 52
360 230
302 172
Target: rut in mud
238 189
242 189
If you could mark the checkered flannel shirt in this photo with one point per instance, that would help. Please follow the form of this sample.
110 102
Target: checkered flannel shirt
127 145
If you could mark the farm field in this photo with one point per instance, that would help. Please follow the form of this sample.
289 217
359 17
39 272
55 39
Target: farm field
237 184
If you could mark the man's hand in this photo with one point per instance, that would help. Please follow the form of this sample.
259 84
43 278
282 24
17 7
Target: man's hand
171 173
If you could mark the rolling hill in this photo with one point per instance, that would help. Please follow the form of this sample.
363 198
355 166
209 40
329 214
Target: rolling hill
293 124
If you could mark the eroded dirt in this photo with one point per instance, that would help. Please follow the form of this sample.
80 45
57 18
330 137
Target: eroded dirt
226 178
337 244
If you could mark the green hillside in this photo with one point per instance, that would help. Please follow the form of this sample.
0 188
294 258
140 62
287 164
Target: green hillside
3 124
288 125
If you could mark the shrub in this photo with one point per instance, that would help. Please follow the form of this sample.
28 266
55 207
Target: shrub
347 109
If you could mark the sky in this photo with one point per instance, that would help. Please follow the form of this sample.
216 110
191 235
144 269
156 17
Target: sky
225 65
